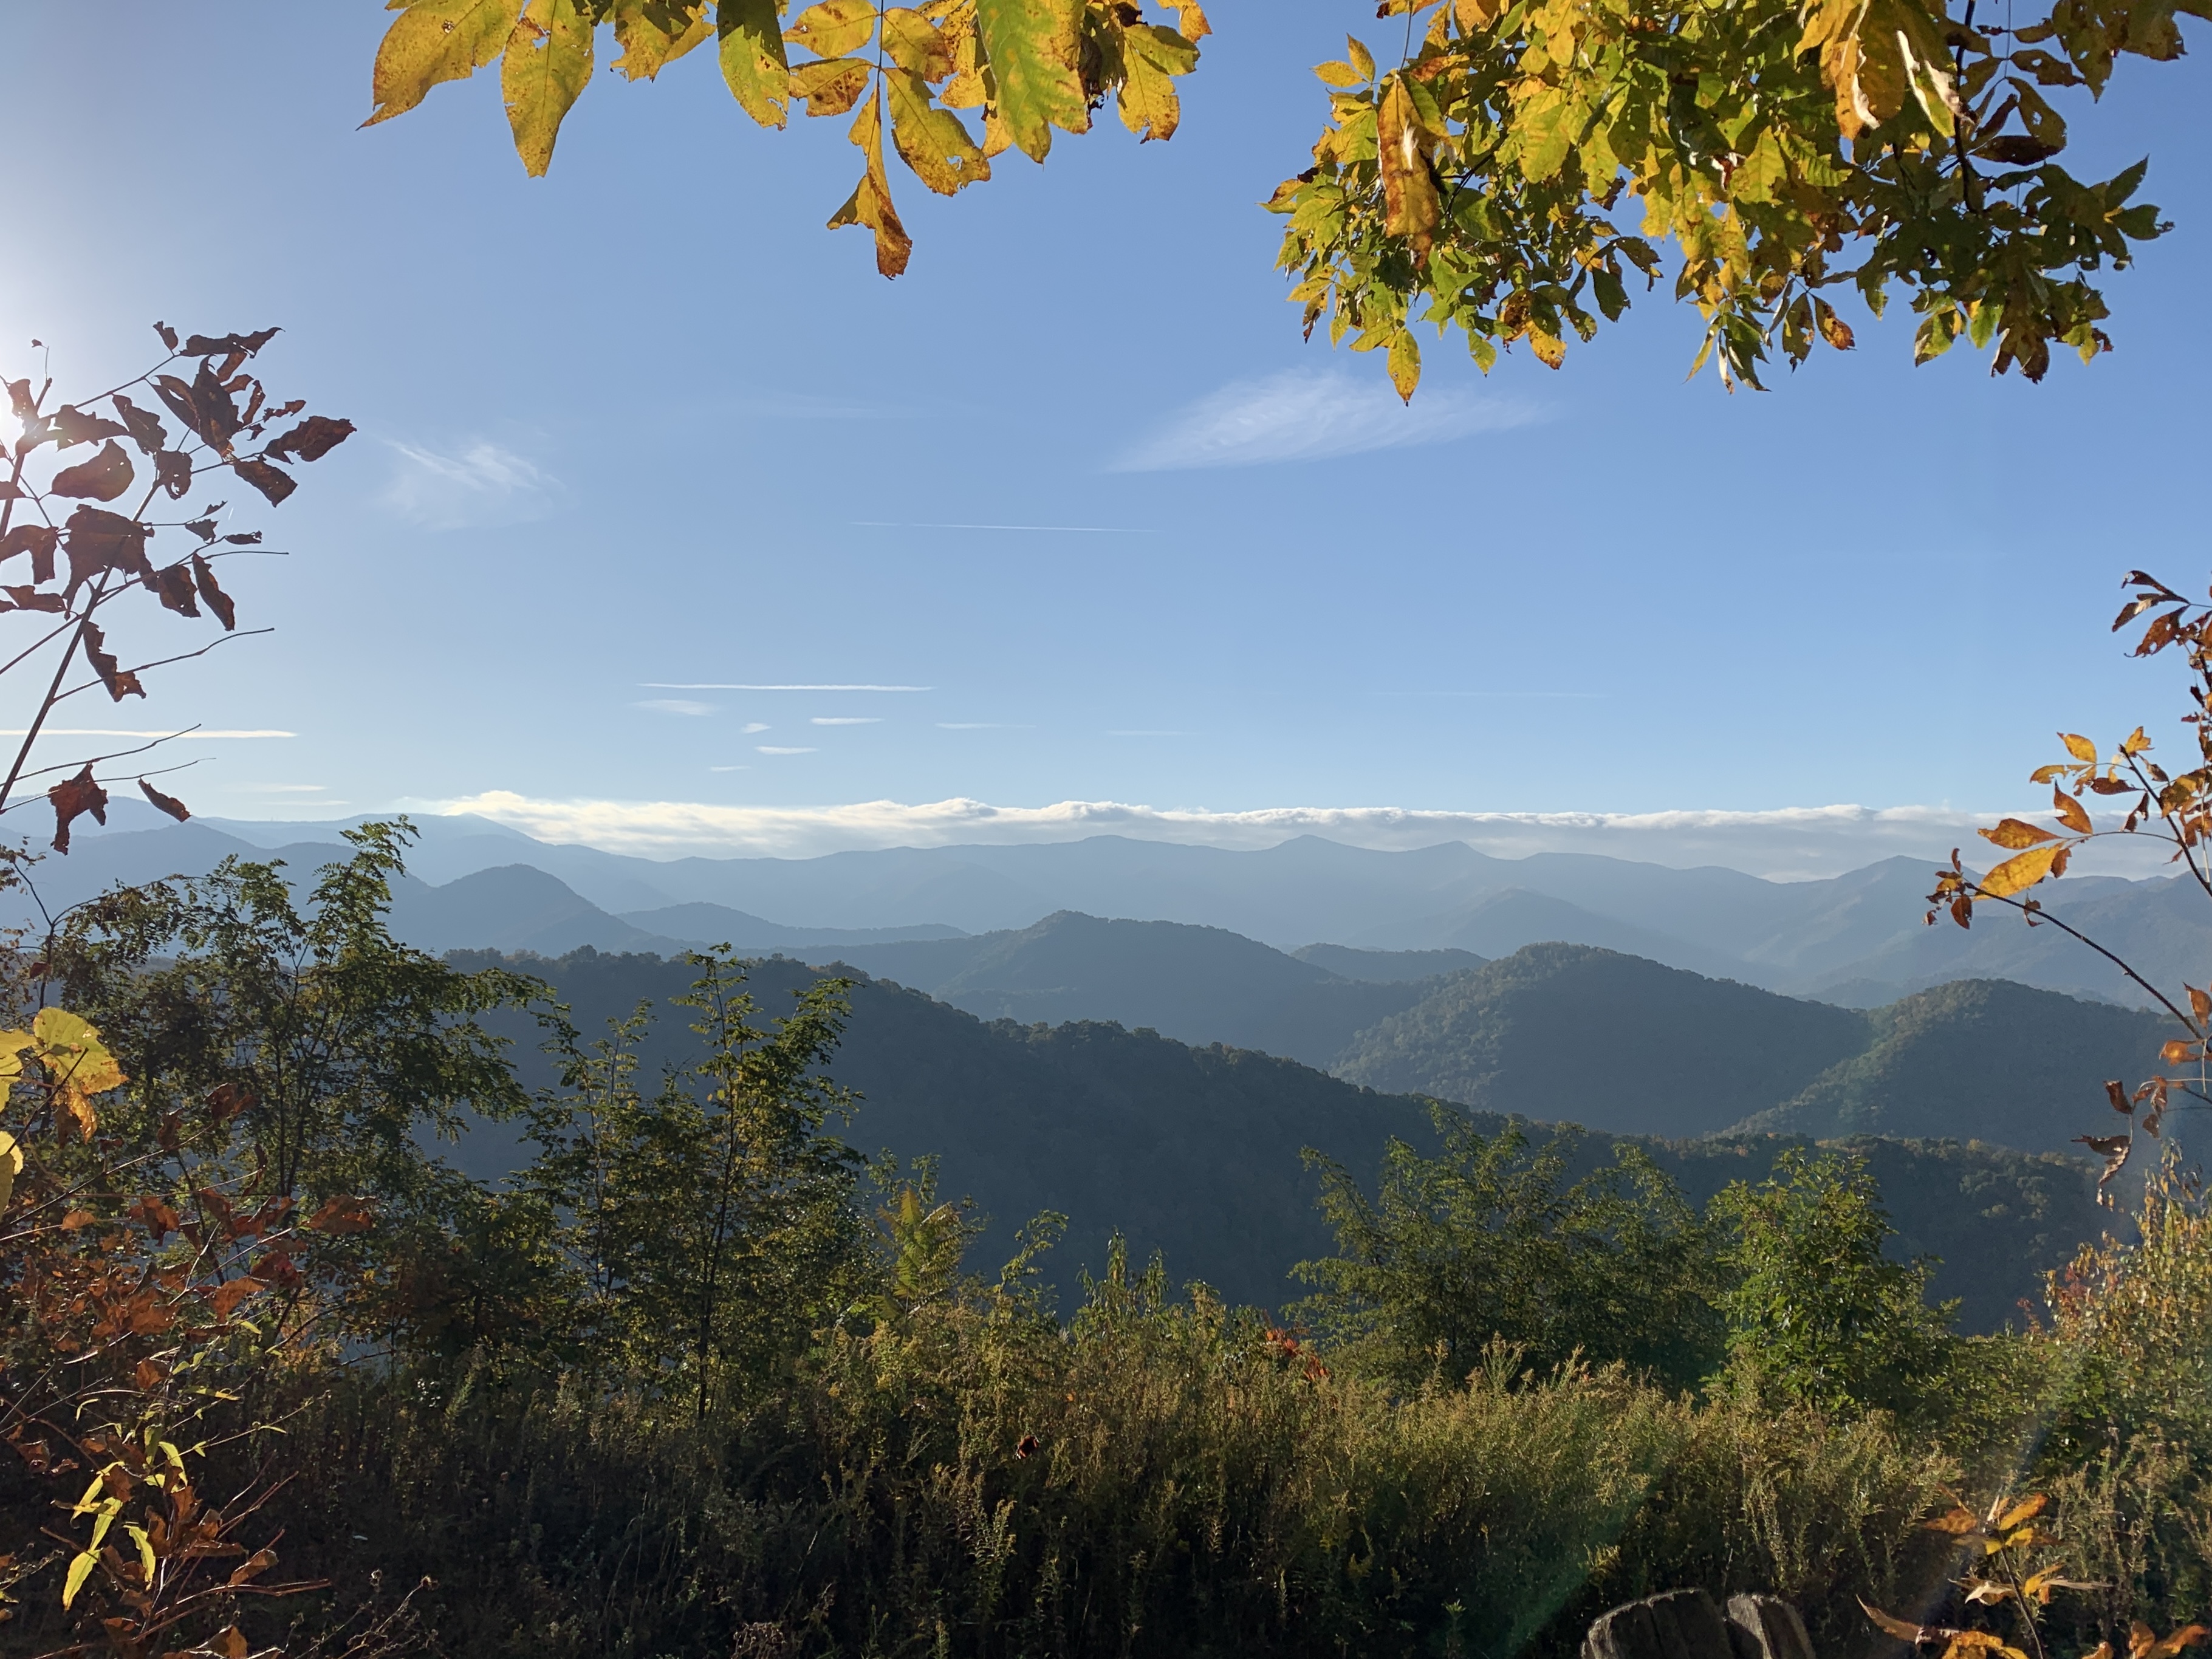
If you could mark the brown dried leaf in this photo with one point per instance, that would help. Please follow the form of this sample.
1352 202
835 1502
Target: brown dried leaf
271 481
342 1215
144 425
169 803
217 600
102 478
310 441
173 587
98 540
72 799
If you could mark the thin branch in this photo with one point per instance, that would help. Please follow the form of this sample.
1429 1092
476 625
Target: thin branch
2040 914
164 662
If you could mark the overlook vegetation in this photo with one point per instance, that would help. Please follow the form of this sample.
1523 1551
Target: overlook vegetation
700 1377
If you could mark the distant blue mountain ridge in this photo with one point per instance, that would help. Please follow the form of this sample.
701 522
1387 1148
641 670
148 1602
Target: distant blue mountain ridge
1858 938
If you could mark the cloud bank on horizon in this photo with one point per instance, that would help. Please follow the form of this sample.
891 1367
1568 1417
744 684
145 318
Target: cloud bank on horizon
1781 843
1305 415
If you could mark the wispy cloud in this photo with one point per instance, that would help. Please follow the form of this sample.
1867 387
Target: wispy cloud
118 731
288 788
1309 414
732 685
982 726
751 726
1052 529
846 719
678 706
1151 735
481 484
1784 842
729 769
783 748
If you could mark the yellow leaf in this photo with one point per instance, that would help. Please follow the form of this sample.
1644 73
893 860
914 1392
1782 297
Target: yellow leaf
2025 1509
1404 363
2200 1005
1958 1520
1335 73
2135 743
830 86
80 1569
547 66
432 41
1550 349
2012 833
930 140
1191 22
917 45
2018 874
2079 747
754 66
11 1165
835 28
2069 812
870 203
2188 1636
2178 1053
1411 207
1150 59
653 33
1035 48
72 1051
1363 60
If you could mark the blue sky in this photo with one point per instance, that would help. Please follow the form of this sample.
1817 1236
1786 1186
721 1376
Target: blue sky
642 433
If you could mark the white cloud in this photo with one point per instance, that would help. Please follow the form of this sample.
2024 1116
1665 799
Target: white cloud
1306 414
846 719
678 706
1785 843
729 769
756 726
780 749
1151 735
287 788
483 484
730 685
981 726
117 732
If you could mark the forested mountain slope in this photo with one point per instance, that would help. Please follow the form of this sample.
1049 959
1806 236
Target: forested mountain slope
1983 1059
1196 984
1564 1031
1574 1033
1195 1151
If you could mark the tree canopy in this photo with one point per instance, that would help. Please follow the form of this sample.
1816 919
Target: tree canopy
1787 148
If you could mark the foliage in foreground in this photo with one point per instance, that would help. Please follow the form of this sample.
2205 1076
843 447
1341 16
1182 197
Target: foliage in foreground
1472 168
703 1381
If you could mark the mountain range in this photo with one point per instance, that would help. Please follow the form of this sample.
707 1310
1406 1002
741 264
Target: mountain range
1855 938
1195 1151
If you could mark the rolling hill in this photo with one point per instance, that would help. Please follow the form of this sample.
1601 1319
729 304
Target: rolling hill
1199 985
1572 1032
1194 1151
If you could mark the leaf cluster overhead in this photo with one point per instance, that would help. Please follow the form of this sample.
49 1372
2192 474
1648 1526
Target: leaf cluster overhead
1024 68
1787 147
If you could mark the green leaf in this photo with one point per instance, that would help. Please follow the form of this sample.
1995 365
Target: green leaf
80 1569
1033 48
434 40
547 66
753 62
